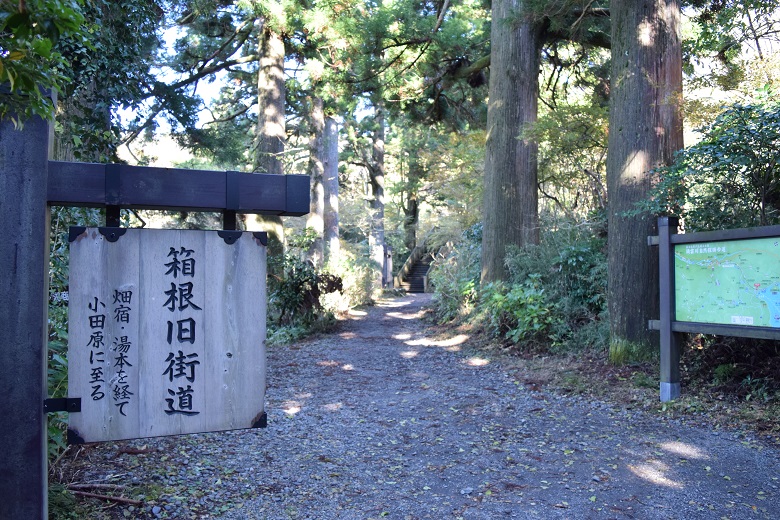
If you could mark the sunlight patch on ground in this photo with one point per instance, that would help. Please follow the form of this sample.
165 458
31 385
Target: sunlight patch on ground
654 472
450 344
359 314
684 450
348 367
291 407
392 303
348 335
406 316
329 363
409 354
333 407
402 337
476 362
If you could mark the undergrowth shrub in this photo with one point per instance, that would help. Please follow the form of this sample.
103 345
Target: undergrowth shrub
455 277
555 295
294 305
307 298
570 265
743 367
358 275
519 312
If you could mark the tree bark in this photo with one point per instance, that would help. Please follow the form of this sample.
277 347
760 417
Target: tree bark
510 196
315 219
377 180
331 190
411 218
270 133
71 114
645 129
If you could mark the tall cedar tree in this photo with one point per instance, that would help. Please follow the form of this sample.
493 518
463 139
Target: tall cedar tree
645 130
510 196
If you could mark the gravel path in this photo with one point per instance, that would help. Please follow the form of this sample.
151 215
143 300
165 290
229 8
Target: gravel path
382 420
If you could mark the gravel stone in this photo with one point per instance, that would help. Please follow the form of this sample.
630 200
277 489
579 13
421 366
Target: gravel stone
389 418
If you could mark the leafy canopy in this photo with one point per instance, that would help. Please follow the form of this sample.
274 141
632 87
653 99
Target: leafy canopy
30 65
731 178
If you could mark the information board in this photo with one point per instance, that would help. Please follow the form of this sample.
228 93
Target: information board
729 282
166 332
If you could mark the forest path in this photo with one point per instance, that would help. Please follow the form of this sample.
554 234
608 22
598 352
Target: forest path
382 419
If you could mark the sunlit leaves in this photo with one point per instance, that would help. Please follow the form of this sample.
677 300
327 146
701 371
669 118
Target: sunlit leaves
722 35
732 176
29 69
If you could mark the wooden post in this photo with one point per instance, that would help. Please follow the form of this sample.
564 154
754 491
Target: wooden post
670 341
24 258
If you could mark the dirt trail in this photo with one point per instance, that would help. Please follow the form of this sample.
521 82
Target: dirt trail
382 420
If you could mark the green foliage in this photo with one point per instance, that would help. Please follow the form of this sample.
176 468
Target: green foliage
744 367
519 313
570 264
358 274
623 351
109 69
721 31
724 373
295 299
297 296
572 157
455 277
556 294
31 67
731 176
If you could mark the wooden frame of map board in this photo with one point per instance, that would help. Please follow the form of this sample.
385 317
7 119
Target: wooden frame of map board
716 280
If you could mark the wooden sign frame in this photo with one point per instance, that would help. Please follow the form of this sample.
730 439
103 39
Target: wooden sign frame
671 330
29 184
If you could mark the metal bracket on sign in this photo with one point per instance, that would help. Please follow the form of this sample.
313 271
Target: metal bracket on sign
62 404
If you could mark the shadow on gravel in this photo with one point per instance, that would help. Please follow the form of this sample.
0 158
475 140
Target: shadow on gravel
384 419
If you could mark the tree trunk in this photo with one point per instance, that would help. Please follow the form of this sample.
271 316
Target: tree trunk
71 116
411 218
331 189
270 133
377 180
645 129
510 196
315 219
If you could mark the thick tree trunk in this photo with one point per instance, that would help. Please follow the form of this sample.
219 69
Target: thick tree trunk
270 133
331 188
315 219
411 219
71 115
510 196
645 129
377 180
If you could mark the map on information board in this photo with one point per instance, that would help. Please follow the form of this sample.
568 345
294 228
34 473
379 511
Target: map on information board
731 282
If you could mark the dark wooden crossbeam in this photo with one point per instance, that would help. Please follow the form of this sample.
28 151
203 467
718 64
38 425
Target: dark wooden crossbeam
143 187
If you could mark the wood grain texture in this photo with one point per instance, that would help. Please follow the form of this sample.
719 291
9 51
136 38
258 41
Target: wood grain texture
194 339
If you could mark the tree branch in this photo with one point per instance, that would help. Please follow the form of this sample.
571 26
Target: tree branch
227 42
210 70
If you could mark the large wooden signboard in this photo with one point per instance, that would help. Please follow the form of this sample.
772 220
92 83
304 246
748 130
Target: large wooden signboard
723 282
166 332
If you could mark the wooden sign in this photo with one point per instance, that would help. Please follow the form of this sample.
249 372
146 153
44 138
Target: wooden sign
166 332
